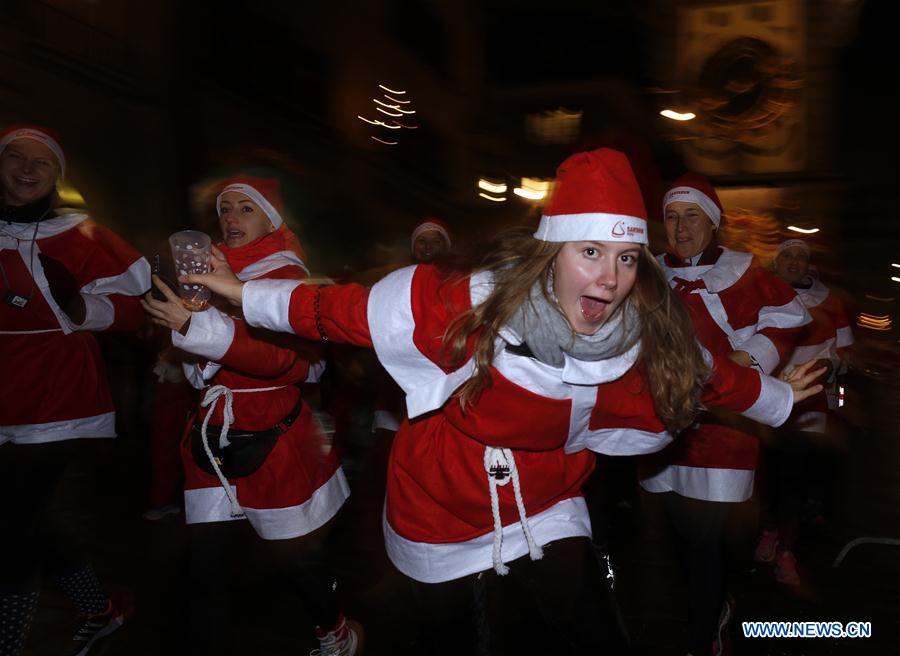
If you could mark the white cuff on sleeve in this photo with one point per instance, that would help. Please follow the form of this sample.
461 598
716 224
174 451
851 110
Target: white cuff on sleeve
98 313
267 303
774 404
763 351
209 335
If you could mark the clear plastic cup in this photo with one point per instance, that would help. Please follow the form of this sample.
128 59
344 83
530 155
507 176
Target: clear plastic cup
191 254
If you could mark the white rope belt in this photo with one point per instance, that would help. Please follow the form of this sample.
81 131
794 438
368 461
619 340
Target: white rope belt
210 399
500 466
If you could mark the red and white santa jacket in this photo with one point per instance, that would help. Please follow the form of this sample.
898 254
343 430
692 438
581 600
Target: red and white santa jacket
54 383
238 357
735 305
826 337
258 373
449 510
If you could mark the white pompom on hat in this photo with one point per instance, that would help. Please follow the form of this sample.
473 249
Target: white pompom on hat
595 198
37 133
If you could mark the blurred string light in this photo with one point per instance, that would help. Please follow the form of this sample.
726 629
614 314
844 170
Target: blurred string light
493 187
881 322
495 199
895 265
803 231
678 116
533 189
398 109
895 278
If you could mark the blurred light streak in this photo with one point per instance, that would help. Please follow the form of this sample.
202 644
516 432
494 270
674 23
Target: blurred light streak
803 231
493 187
394 107
386 143
529 193
397 100
874 322
491 198
678 116
396 93
391 114
381 123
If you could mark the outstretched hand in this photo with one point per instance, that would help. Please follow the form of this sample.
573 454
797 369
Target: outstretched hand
221 279
801 380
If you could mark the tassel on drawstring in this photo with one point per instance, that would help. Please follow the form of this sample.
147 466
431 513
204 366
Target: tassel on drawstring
500 466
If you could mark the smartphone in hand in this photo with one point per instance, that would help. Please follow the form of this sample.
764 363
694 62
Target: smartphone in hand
158 295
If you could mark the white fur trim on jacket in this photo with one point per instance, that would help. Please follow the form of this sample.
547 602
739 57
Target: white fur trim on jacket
211 504
704 483
269 263
102 425
437 562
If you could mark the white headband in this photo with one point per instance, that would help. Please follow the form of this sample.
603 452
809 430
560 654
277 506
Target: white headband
791 243
41 137
256 197
691 195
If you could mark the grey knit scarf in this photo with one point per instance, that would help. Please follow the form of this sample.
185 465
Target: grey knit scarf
548 334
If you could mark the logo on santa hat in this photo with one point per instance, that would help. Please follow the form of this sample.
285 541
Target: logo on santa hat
618 230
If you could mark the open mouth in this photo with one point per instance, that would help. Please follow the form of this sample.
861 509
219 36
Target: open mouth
233 234
593 308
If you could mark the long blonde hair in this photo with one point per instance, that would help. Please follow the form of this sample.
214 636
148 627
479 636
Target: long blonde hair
670 355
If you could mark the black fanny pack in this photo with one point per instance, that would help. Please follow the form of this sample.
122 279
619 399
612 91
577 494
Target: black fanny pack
246 451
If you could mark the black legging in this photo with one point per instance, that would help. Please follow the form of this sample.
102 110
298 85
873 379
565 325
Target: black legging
300 561
698 527
34 538
461 616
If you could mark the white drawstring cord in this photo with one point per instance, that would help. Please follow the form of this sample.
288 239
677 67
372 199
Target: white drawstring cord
212 396
500 466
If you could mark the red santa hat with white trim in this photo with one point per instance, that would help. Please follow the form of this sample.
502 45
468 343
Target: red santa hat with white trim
265 192
37 133
430 223
595 198
695 188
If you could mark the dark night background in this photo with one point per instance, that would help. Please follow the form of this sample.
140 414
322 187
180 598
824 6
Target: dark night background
157 100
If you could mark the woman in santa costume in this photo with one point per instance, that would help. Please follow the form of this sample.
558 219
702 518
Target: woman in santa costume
795 465
743 312
559 341
255 452
63 277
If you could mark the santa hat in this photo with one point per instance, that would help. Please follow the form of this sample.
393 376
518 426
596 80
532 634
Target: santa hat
595 198
265 192
43 135
431 223
694 188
